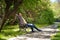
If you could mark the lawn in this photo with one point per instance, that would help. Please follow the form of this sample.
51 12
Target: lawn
57 36
12 31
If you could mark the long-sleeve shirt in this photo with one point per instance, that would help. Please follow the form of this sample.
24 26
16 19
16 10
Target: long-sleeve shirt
21 20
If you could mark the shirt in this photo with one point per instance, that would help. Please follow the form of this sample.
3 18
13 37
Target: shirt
21 20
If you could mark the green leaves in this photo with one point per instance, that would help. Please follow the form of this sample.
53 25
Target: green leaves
29 4
39 9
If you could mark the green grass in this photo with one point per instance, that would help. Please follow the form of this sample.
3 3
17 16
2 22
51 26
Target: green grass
57 36
12 31
41 25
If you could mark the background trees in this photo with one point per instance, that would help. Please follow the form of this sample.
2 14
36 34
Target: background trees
10 11
39 12
36 11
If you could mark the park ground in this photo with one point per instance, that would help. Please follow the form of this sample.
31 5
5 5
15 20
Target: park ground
57 36
13 31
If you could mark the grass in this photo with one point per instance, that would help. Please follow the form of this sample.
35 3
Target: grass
12 31
57 36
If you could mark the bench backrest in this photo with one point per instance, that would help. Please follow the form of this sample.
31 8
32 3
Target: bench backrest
21 20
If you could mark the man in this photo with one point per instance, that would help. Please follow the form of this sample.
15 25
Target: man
22 23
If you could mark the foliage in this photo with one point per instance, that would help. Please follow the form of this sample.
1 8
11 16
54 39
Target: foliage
10 31
40 12
56 9
35 11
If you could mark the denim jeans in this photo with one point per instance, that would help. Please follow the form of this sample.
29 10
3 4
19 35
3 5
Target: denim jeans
32 26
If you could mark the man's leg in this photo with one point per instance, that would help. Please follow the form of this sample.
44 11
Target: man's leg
29 25
32 29
36 28
33 26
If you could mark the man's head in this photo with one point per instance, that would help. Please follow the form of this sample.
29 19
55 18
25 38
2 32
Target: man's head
19 14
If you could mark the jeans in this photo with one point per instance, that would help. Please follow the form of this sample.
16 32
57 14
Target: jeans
32 26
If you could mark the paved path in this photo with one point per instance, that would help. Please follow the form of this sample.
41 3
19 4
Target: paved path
46 34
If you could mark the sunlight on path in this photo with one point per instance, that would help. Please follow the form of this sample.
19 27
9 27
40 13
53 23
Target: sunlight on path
46 34
27 38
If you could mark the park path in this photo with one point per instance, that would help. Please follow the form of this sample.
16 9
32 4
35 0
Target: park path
46 34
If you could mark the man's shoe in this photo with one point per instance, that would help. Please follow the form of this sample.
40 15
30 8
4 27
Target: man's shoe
40 30
33 31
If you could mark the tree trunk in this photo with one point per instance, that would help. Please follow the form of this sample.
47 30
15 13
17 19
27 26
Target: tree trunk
9 13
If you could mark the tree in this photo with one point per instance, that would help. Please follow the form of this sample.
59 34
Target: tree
39 11
34 8
9 12
12 8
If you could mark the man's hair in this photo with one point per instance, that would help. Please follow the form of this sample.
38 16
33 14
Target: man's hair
20 14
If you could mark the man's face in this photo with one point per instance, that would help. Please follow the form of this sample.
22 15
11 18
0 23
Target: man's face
20 14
